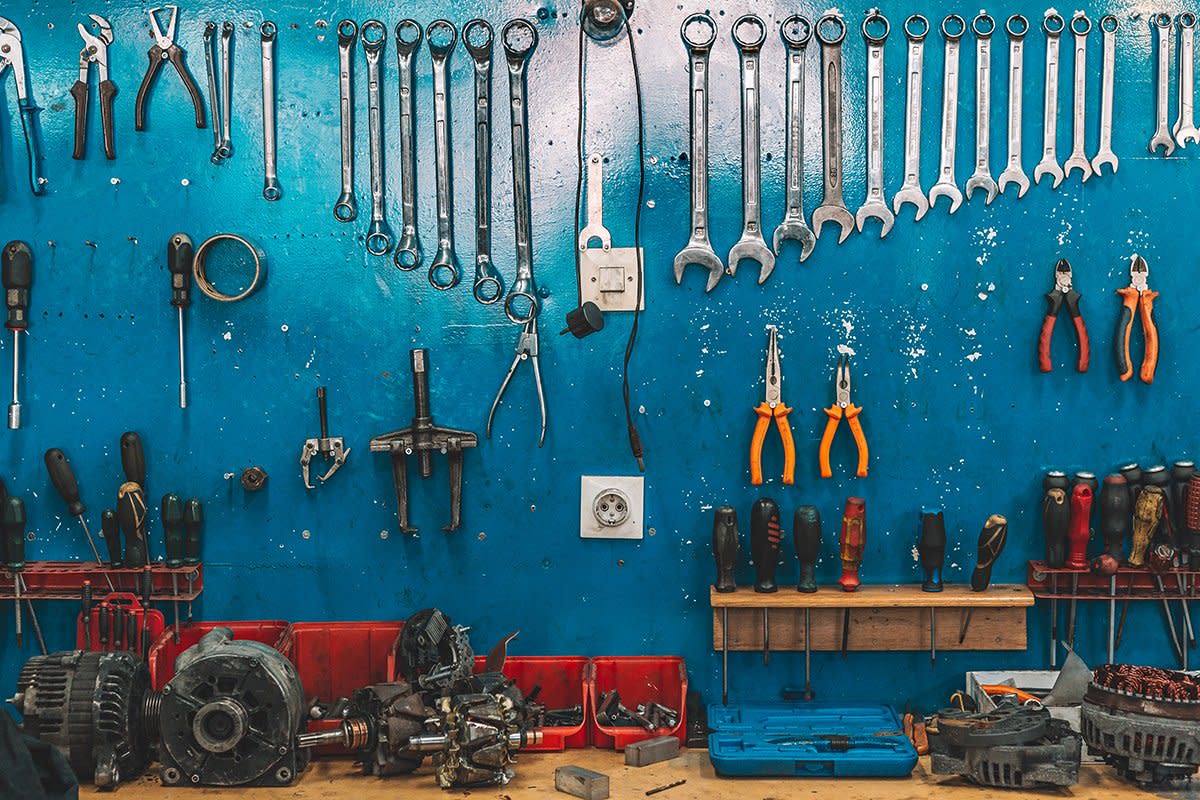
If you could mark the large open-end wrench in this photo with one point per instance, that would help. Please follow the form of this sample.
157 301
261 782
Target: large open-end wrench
1162 133
346 208
953 28
408 254
379 235
1053 26
1184 129
749 32
267 33
984 25
1081 26
477 36
1108 30
830 32
443 270
1016 26
875 29
796 31
698 32
519 39
916 28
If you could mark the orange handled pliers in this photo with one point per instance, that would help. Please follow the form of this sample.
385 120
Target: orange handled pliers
842 407
772 407
1137 298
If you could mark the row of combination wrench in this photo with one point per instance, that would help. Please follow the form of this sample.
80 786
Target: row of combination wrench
220 102
1167 136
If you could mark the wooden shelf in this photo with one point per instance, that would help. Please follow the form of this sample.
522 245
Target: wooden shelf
872 596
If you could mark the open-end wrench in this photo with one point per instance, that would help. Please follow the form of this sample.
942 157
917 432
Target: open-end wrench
346 208
1053 26
796 31
1108 30
1081 26
1016 26
953 28
267 33
749 32
443 270
214 93
830 31
1185 124
477 36
225 148
379 235
984 25
408 254
519 39
916 28
875 29
1162 133
698 32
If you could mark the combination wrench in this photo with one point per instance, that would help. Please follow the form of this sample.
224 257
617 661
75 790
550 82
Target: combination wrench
1162 134
796 31
1108 30
830 32
374 36
984 25
1184 129
346 208
519 39
1016 26
214 94
477 36
1081 26
749 32
1053 26
225 149
408 254
916 28
443 270
875 29
267 33
698 32
953 28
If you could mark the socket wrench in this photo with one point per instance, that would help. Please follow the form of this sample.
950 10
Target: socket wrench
796 32
916 28
267 33
953 28
519 38
1081 26
477 36
875 30
749 32
443 270
983 26
408 255
830 32
1108 30
374 36
1014 173
346 207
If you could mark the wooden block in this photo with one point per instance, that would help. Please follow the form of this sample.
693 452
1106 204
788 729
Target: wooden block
907 595
580 782
651 751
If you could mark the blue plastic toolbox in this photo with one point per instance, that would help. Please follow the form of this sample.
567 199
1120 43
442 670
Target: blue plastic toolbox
808 740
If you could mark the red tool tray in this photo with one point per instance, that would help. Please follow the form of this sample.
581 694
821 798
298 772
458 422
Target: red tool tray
638 679
1133 583
164 651
125 602
63 580
564 684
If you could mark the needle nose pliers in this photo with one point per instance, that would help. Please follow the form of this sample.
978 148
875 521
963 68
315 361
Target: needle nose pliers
772 407
1063 295
95 51
12 54
1137 297
165 49
842 407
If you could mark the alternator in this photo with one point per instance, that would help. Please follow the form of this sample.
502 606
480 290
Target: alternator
376 726
1012 746
432 653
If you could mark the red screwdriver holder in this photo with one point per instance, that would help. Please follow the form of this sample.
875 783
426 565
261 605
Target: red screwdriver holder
133 640
63 580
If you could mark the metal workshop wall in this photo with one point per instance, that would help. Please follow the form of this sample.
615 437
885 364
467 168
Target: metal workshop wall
942 317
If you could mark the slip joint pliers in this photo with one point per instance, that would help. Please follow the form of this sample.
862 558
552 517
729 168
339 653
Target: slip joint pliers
95 51
12 54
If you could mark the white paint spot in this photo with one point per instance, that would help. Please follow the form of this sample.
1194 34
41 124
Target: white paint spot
982 296
707 403
924 287
227 336
846 350
284 327
973 357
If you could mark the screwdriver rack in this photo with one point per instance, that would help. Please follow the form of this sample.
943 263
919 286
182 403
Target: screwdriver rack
63 580
1133 583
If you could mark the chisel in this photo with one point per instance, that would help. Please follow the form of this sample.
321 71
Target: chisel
765 534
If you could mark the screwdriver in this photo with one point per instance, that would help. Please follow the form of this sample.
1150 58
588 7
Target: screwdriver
725 551
63 478
1115 512
852 542
179 262
765 534
133 458
992 539
131 513
110 530
147 599
1158 476
86 603
932 551
118 627
1147 515
806 537
1056 518
1181 475
193 522
102 620
16 272
172 522
13 519
1078 531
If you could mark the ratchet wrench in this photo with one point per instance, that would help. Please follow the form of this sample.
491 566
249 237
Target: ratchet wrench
519 39
443 270
408 254
374 36
1108 30
1162 134
953 28
1185 125
984 25
916 28
830 32
346 208
749 32
875 29
267 33
1016 26
477 36
796 32
1081 26
1053 26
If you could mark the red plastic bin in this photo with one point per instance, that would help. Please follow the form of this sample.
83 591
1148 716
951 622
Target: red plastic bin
564 684
638 679
272 633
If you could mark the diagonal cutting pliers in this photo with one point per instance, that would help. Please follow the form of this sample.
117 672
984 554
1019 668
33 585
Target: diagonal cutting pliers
1063 294
165 49
1137 298
772 407
12 54
527 350
95 51
843 408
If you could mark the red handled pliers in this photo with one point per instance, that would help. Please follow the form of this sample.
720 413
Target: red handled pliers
1063 294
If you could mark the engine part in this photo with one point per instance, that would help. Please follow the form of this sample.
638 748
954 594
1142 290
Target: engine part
377 725
88 705
330 448
253 478
432 653
1012 746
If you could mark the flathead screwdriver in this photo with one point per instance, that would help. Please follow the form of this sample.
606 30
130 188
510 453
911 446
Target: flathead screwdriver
172 522
193 524
12 518
180 255
16 273
63 478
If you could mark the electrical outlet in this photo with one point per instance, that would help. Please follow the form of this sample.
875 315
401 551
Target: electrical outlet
611 507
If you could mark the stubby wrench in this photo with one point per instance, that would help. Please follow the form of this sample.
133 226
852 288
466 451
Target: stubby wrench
1185 125
984 25
1053 26
749 32
830 31
953 28
1162 134
796 32
477 36
916 28
519 39
374 36
443 270
698 32
875 29
346 208
267 33
1108 30
408 254
1081 26
1016 26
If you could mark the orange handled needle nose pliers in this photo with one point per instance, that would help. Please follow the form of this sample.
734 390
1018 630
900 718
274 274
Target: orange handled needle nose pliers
772 407
1137 298
842 407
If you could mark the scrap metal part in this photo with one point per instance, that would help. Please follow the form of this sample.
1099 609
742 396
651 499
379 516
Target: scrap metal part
377 724
1011 746
433 653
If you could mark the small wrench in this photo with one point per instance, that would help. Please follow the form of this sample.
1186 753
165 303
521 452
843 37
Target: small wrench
1016 26
214 93
346 208
443 270
408 254
984 25
267 32
1185 125
749 32
1162 135
796 32
698 32
953 28
1081 26
519 39
916 28
1053 26
1108 28
225 149
379 236
830 31
477 36
875 29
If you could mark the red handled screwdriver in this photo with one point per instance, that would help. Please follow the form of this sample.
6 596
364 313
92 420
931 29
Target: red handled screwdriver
765 534
852 542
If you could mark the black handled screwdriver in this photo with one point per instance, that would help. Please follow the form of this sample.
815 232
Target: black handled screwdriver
110 531
103 623
131 513
63 478
172 522
16 272
726 549
992 539
12 516
85 601
193 523
180 256
806 538
765 534
133 458
118 615
147 599
932 550
1116 515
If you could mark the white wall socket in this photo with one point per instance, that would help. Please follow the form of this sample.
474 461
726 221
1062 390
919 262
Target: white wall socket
611 507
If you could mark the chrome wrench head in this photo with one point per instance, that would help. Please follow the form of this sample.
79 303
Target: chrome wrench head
1162 133
443 270
1014 173
519 38
346 207
379 236
749 32
408 254
875 29
1053 26
796 32
983 26
916 28
1108 31
953 28
830 32
1081 26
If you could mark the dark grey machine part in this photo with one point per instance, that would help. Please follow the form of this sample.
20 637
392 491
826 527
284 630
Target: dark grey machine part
1146 741
1051 759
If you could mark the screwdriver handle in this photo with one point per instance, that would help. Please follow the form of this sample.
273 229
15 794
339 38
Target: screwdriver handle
1079 528
1147 514
193 523
12 518
853 541
172 522
992 539
118 628
16 272
180 255
765 534
806 537
725 547
110 529
133 458
85 602
103 621
1056 517
131 512
1115 513
63 478
932 548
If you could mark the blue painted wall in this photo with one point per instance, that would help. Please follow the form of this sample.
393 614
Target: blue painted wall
942 315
